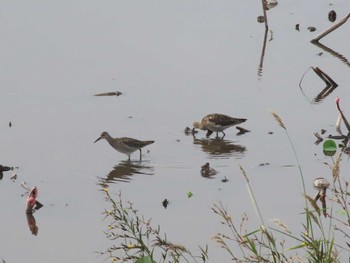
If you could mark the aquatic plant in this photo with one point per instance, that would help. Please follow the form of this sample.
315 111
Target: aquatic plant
137 241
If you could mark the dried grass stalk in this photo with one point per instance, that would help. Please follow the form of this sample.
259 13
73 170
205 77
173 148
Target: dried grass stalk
279 120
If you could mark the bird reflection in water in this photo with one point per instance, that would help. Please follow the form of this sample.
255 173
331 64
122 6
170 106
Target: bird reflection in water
32 224
219 147
123 172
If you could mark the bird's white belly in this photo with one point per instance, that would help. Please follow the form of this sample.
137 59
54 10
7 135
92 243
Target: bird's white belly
216 128
123 148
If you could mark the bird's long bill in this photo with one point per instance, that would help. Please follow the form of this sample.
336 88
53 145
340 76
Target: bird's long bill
98 139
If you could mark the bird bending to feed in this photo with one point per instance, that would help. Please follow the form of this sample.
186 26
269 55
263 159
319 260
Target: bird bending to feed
217 123
124 144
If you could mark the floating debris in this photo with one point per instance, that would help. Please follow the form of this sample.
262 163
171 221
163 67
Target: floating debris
10 124
319 138
332 16
264 164
13 177
323 131
165 203
311 28
24 185
241 130
225 180
113 93
189 194
297 27
207 171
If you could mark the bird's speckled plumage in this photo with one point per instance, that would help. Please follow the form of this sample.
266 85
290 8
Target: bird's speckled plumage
124 145
216 122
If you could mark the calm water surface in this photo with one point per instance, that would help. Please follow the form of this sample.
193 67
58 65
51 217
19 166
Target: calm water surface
174 61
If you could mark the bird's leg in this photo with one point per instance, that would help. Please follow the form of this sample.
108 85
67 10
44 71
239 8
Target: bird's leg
140 154
223 134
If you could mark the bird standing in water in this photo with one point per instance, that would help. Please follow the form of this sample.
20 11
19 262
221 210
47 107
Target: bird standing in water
217 123
124 144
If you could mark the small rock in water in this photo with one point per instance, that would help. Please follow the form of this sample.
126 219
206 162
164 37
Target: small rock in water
311 28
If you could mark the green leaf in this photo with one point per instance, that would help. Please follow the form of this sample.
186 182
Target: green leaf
189 194
329 147
145 260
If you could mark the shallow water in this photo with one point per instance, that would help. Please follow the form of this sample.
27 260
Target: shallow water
174 62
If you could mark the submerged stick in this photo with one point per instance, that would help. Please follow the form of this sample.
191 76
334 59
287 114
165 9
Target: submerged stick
327 79
329 30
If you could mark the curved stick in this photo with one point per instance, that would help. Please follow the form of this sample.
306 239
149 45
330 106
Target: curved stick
342 115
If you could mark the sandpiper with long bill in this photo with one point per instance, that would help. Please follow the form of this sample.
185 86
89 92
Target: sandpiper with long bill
124 145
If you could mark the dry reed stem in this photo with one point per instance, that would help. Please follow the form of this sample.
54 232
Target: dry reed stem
347 125
327 79
329 30
264 11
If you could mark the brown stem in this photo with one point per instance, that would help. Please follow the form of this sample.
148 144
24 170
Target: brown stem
332 28
343 116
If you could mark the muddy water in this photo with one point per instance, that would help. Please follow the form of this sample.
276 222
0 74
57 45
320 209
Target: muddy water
174 62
